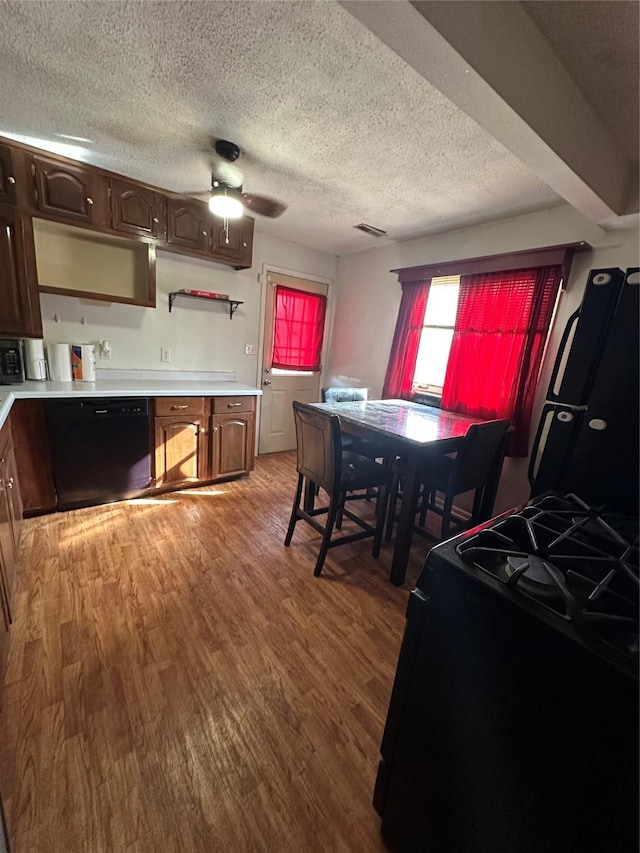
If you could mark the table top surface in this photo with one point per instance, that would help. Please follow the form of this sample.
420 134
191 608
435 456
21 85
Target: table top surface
412 423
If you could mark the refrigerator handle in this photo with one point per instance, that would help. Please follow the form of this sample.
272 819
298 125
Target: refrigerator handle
534 453
571 322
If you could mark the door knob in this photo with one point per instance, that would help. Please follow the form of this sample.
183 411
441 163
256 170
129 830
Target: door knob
266 382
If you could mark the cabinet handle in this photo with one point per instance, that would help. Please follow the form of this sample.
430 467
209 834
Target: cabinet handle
183 406
215 429
155 219
11 179
233 405
244 245
89 200
10 483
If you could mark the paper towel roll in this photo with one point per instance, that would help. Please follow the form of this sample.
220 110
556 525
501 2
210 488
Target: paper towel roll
83 362
35 364
59 362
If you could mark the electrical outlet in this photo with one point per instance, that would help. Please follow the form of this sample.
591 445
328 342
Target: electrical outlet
165 354
249 349
105 350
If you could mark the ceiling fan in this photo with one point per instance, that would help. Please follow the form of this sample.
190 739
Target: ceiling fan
226 197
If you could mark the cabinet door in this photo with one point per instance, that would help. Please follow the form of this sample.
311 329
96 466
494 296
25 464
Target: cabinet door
181 450
135 210
70 192
7 176
188 224
7 545
232 444
32 453
234 243
19 302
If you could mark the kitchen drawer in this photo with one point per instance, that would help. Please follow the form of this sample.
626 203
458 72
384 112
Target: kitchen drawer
179 406
228 405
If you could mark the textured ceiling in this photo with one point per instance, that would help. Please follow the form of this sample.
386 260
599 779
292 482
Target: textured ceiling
599 45
332 122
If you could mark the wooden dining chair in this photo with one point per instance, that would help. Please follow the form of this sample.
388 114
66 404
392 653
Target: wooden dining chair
322 461
452 475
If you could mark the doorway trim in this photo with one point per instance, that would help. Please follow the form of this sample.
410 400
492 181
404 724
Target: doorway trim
328 333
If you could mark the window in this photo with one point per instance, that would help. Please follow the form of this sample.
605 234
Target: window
436 335
298 329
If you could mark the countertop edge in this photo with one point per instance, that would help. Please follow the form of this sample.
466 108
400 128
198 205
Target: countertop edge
97 389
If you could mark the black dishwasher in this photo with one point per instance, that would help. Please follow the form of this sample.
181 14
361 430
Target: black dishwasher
100 449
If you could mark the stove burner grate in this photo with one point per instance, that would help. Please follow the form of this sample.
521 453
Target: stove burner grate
572 559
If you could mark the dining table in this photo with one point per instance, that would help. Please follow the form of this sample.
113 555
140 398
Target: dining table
414 432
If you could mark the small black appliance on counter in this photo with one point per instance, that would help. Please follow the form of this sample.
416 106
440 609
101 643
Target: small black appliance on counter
11 361
513 722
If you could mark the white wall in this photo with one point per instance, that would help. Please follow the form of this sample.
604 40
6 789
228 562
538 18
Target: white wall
369 296
200 334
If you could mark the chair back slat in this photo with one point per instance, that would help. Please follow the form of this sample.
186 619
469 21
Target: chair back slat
343 395
476 456
319 449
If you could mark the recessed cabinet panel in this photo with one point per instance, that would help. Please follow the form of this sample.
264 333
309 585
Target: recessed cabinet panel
69 191
19 306
234 243
77 262
232 446
7 176
188 224
181 451
136 210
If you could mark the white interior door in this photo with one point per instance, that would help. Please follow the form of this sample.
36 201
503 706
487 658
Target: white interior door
281 387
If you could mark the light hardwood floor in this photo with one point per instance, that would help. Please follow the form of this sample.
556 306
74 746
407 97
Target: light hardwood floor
179 681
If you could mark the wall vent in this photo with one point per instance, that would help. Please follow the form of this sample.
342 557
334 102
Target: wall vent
369 229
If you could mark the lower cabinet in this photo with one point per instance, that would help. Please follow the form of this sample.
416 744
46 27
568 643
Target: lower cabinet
10 521
180 450
33 456
213 440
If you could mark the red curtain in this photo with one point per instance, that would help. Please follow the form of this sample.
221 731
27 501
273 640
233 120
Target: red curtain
406 340
500 331
298 329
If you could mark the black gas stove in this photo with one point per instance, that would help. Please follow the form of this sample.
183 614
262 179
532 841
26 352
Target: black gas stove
574 565
513 721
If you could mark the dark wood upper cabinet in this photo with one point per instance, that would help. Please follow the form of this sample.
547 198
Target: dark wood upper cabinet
234 244
7 176
19 301
136 210
69 192
188 224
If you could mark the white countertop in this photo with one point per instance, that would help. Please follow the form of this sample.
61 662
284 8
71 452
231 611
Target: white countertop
32 390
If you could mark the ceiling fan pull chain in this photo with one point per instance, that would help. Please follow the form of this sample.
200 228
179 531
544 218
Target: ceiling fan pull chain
226 230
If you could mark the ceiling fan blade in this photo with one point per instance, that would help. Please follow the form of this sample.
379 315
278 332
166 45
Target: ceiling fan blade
263 204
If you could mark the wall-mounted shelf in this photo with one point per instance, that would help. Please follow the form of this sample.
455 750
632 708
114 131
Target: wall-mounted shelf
201 294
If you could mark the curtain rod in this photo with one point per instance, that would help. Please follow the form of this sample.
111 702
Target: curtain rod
542 257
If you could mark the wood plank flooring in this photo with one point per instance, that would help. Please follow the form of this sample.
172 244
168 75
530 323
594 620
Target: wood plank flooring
179 681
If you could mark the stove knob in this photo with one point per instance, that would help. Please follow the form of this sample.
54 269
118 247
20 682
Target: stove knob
598 423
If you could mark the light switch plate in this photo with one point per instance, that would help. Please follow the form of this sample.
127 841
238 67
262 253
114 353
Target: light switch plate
249 349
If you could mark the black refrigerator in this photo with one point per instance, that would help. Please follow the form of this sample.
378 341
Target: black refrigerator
588 435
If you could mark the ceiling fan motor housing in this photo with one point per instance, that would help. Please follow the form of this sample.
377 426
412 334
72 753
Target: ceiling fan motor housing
229 151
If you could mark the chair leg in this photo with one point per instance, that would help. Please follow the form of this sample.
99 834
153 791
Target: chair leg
334 505
446 514
381 514
294 511
393 503
340 511
477 504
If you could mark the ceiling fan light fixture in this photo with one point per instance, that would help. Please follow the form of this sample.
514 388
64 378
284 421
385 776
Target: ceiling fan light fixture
225 201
